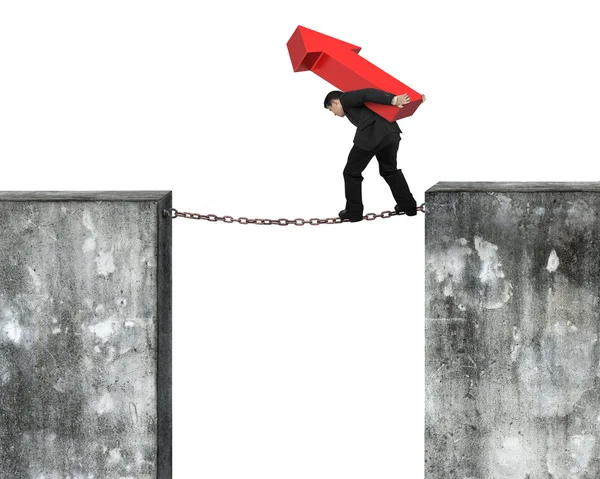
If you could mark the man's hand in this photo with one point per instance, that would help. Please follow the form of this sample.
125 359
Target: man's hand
422 98
401 100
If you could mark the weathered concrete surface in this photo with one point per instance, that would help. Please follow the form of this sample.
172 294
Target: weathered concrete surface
512 327
85 335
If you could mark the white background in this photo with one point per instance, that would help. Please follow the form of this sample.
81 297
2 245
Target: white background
298 352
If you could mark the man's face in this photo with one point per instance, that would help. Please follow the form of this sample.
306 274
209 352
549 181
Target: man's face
336 108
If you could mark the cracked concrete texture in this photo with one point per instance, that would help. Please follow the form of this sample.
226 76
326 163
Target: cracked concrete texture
512 327
79 316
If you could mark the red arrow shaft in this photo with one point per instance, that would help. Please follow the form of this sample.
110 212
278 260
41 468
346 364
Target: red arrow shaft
347 70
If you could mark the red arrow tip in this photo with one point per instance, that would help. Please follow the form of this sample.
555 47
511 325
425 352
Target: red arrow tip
306 45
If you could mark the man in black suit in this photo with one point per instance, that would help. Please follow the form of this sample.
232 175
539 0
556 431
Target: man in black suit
375 136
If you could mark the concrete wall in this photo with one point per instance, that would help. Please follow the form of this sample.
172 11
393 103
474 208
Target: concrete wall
85 338
512 326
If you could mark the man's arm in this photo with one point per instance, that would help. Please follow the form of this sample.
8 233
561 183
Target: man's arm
360 97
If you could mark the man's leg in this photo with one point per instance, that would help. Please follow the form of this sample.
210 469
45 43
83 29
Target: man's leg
357 162
388 169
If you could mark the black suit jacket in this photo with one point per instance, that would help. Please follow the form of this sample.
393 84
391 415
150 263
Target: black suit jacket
371 128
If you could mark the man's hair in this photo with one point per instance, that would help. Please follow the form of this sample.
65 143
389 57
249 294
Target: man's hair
332 95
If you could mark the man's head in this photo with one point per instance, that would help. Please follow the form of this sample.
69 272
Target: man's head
332 103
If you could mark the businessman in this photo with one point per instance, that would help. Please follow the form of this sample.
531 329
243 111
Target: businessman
375 136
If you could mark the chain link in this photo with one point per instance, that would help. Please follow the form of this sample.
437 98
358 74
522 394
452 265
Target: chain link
173 213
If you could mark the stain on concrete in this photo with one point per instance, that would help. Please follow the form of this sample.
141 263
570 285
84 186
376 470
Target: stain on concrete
475 260
512 327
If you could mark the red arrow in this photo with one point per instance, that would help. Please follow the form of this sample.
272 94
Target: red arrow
338 63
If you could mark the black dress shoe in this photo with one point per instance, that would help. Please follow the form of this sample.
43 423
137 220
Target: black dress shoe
352 218
407 210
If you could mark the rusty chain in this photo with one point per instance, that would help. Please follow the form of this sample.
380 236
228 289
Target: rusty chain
173 213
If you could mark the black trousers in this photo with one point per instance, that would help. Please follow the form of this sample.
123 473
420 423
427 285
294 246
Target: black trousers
358 160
